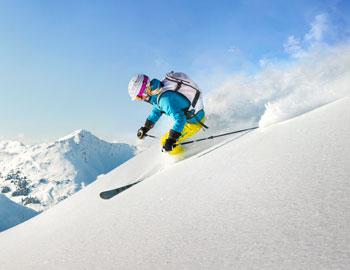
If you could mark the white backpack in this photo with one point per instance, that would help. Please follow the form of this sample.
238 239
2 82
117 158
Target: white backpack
181 83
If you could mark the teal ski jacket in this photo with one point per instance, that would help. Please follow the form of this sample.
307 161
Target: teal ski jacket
172 104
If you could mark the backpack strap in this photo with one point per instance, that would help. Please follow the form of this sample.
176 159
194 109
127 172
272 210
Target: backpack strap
191 114
200 122
196 97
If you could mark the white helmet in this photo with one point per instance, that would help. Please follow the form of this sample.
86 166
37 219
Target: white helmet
138 85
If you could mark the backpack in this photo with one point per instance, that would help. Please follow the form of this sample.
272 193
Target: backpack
184 85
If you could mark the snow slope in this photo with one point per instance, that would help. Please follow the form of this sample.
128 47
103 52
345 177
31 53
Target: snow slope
40 176
12 214
276 198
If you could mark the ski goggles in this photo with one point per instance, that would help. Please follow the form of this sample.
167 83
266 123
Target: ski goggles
145 84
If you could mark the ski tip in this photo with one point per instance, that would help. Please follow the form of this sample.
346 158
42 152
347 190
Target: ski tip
106 195
103 196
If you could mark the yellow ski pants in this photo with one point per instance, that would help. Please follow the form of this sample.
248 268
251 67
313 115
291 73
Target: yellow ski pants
189 130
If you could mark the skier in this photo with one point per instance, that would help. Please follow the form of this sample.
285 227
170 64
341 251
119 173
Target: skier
176 96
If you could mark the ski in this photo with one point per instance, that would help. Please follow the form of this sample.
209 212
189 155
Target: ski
108 194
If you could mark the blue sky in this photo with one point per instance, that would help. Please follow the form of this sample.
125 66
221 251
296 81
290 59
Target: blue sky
65 65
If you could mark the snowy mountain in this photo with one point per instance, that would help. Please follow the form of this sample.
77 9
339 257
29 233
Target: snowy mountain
12 214
39 176
273 198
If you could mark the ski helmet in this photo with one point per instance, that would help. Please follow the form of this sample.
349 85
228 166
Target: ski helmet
138 85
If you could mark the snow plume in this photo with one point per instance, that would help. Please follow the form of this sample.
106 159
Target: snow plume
318 28
318 78
315 74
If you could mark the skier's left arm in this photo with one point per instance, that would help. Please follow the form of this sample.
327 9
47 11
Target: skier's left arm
175 132
174 105
179 121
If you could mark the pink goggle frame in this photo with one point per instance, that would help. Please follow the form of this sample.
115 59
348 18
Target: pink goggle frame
143 87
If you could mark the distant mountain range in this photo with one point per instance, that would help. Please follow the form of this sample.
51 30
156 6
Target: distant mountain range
40 176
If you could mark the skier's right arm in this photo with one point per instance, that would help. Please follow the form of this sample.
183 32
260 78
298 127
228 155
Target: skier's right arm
154 115
150 122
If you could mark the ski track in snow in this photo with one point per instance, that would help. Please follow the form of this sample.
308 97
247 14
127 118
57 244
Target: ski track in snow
172 160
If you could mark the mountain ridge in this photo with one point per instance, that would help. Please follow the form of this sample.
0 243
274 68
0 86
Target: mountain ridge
39 176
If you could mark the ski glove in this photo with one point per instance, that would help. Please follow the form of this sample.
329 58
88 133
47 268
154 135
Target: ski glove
171 141
142 132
